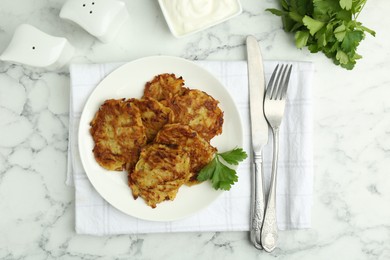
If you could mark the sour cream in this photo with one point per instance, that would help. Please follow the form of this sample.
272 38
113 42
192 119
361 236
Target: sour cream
187 16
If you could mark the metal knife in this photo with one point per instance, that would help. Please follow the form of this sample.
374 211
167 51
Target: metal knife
259 132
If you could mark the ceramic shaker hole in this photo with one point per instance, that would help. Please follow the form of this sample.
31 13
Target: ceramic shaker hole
90 12
83 5
33 47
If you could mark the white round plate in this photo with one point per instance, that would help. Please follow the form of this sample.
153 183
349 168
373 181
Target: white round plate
128 81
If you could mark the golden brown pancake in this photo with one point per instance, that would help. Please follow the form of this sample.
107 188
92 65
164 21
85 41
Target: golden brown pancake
154 115
159 173
164 87
199 150
198 110
118 133
162 139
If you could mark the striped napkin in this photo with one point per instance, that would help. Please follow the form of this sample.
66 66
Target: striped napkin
230 212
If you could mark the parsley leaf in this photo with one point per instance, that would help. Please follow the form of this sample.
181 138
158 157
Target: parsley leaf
328 26
234 156
340 32
311 24
208 171
346 4
301 38
222 177
351 40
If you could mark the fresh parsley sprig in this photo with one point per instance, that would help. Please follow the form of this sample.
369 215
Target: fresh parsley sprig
328 26
221 176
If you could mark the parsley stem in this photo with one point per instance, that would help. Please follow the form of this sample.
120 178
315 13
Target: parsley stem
361 8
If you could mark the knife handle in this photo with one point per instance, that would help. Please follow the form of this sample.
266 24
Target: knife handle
257 201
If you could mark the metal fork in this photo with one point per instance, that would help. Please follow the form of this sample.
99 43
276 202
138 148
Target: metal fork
274 104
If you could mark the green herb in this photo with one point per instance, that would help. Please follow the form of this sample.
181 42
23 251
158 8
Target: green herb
329 26
221 176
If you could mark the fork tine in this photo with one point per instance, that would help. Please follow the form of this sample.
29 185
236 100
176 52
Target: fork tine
286 81
276 88
271 83
281 83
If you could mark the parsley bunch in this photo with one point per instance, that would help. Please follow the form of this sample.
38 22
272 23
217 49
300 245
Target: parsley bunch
221 176
329 26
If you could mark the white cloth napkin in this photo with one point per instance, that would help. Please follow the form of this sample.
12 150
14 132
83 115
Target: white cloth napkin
230 212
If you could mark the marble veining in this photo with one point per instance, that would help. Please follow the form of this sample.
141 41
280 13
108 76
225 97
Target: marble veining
351 216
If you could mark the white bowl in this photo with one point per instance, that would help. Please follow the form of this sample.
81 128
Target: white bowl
185 17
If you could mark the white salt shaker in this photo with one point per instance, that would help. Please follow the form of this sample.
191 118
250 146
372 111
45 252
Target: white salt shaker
32 47
100 18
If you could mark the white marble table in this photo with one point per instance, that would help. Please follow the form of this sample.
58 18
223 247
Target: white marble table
351 213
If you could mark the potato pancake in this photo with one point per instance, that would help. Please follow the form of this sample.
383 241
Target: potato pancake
154 115
198 110
159 173
118 133
199 150
162 140
164 87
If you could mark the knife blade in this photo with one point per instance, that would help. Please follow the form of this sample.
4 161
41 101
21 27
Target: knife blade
259 134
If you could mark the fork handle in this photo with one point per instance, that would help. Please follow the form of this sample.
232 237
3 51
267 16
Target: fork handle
269 232
257 200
